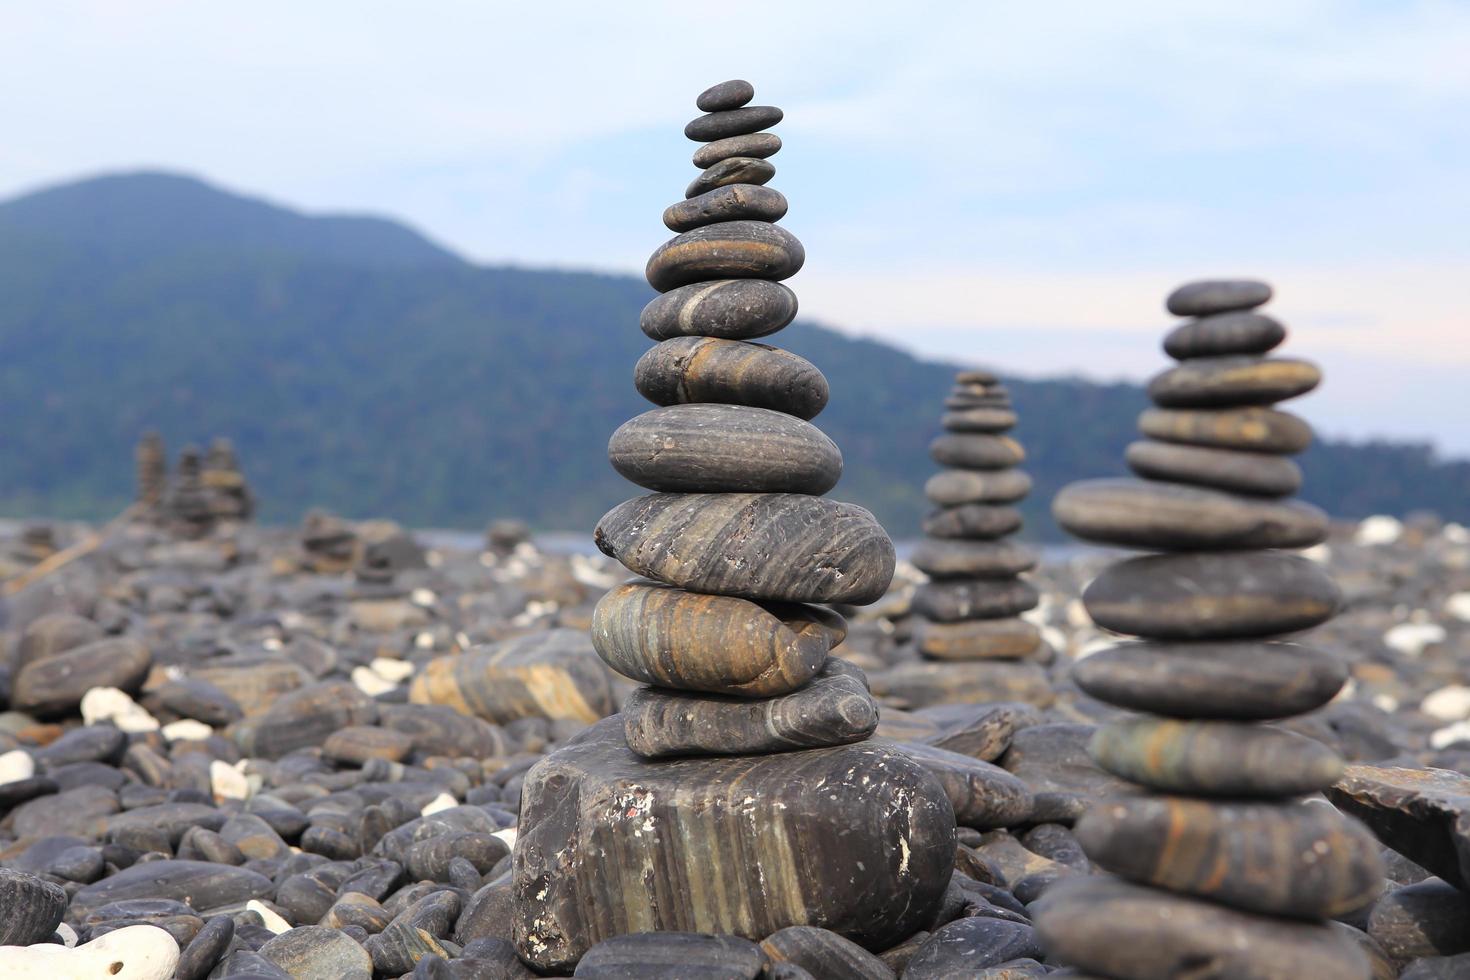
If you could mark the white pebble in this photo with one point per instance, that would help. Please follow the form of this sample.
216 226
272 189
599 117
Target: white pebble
508 835
424 641
129 953
369 682
441 802
1319 553
1456 534
1450 703
1378 530
1458 606
273 922
187 730
227 782
1386 703
1410 639
389 669
68 935
104 704
422 597
1450 734
16 765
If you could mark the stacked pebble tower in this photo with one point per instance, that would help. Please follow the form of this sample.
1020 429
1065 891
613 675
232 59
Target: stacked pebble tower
973 601
744 765
1224 864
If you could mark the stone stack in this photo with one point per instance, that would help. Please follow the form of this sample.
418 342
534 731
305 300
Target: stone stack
1224 863
187 506
738 792
152 468
230 498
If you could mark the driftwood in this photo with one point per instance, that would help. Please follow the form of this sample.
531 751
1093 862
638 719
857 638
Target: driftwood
66 555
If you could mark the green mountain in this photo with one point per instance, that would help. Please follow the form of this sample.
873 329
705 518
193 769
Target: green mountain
360 367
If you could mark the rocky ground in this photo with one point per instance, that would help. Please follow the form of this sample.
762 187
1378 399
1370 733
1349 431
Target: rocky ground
300 752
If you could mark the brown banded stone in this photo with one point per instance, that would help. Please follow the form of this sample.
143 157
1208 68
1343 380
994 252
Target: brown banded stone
664 956
821 954
960 403
555 674
976 521
976 376
1263 474
733 309
1118 929
1215 758
784 546
732 170
976 451
981 732
730 202
978 639
920 684
1226 382
1424 814
1217 296
758 145
728 250
1211 596
708 844
732 122
990 420
1301 860
720 644
949 558
707 369
1224 334
1262 430
1243 680
983 796
834 708
724 449
725 96
1172 517
951 600
976 487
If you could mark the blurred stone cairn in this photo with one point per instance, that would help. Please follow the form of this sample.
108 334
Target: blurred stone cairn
206 490
738 792
1224 870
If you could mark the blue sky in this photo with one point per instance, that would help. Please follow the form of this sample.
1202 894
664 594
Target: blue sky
1012 184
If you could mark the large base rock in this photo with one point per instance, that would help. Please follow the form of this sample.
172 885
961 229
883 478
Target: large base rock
857 839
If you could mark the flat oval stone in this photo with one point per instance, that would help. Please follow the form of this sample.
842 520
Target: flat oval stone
1243 680
725 96
977 521
719 644
1222 334
202 886
1222 382
834 708
555 674
705 448
1215 758
671 956
732 170
1211 596
952 600
976 487
979 639
706 369
988 420
876 832
978 946
821 953
1171 517
920 684
732 201
1261 430
733 309
949 558
976 451
1302 860
1263 474
1216 296
725 123
758 145
728 250
318 953
984 796
1117 929
784 546
51 634
57 683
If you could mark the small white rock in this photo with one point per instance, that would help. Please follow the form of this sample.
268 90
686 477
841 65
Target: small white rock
16 765
187 730
272 643
1410 639
1378 530
68 935
108 704
227 782
1456 534
424 641
273 922
1451 703
422 597
1458 606
508 835
441 802
1386 703
370 683
129 953
389 669
1450 734
1319 553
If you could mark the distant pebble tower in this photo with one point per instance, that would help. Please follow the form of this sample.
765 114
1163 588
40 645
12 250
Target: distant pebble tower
1226 864
737 792
152 468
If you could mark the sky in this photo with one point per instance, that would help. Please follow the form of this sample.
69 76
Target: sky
1015 185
